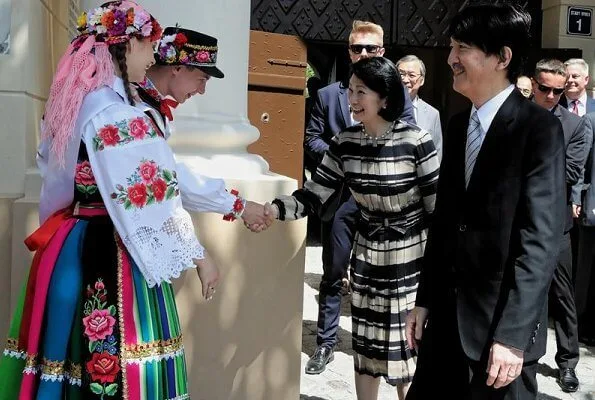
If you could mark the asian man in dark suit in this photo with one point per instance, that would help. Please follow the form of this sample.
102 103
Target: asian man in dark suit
330 116
481 310
548 83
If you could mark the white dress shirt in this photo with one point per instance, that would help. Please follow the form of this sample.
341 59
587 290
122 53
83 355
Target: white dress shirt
487 112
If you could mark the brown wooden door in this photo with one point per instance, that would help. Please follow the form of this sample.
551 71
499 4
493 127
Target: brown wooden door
276 82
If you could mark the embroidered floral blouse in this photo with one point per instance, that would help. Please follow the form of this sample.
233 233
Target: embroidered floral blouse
133 170
199 193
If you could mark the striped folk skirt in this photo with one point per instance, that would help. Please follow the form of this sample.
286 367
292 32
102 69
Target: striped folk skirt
384 279
87 326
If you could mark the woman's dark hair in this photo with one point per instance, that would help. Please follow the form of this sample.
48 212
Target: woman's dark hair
491 27
380 75
118 52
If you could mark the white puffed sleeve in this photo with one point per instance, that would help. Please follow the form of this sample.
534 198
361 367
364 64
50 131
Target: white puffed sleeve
203 194
136 175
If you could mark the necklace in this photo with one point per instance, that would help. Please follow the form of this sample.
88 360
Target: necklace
374 139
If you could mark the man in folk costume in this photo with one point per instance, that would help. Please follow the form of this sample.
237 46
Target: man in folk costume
185 61
97 318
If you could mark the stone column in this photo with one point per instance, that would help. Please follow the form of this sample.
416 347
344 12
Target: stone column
246 343
554 33
38 35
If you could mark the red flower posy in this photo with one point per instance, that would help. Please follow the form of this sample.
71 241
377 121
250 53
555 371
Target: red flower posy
137 194
110 135
138 128
103 367
159 189
84 174
148 171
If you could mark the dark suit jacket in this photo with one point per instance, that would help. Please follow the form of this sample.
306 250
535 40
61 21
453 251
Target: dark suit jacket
575 140
590 106
330 116
588 188
493 245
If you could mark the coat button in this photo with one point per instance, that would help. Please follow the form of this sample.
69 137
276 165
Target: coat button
462 228
533 339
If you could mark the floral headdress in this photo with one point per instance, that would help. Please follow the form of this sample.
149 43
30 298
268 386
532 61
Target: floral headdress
87 65
180 46
117 22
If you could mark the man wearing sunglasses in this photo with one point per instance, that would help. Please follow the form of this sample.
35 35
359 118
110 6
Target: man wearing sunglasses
330 116
549 82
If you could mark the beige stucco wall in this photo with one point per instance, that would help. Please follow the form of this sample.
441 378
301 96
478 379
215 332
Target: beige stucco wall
554 31
38 37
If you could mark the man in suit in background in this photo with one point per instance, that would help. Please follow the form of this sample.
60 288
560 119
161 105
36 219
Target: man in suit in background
413 74
330 116
549 81
575 96
525 86
497 226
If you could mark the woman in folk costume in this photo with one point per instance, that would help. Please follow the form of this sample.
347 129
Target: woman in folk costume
391 168
97 317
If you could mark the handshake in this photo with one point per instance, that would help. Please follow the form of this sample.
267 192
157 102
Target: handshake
258 217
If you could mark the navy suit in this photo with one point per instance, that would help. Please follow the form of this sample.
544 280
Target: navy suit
561 294
330 116
585 266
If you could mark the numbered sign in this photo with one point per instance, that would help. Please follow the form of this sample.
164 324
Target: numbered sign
579 21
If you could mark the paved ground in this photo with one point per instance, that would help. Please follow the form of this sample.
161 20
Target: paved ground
337 382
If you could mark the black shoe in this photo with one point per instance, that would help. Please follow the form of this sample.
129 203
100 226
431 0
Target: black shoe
317 363
568 380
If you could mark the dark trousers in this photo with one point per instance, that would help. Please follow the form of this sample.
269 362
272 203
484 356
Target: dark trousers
443 366
585 283
337 241
562 308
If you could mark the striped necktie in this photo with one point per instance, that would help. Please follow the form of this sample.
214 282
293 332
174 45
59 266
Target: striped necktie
474 140
575 104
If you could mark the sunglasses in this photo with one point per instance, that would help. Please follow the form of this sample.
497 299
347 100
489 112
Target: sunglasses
358 48
547 89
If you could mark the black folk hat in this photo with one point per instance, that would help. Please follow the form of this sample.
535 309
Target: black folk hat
180 46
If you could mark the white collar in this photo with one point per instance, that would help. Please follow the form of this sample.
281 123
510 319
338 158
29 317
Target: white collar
487 112
118 87
415 101
582 99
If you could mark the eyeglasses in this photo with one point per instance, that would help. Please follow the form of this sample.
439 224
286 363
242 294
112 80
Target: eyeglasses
370 48
547 89
411 75
526 92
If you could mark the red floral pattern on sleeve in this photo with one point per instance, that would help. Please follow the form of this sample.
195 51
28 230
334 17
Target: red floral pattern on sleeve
149 184
124 132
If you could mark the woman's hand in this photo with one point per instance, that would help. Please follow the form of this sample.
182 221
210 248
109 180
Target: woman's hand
208 273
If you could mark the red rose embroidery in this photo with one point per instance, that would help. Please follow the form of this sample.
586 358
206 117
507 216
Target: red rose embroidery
180 40
84 174
137 194
99 285
110 135
138 128
203 56
148 171
103 367
159 189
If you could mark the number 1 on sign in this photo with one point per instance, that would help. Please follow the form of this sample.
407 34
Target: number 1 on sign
579 23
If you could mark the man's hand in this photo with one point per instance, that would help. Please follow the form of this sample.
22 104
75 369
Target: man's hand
415 322
208 272
576 211
504 366
255 217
